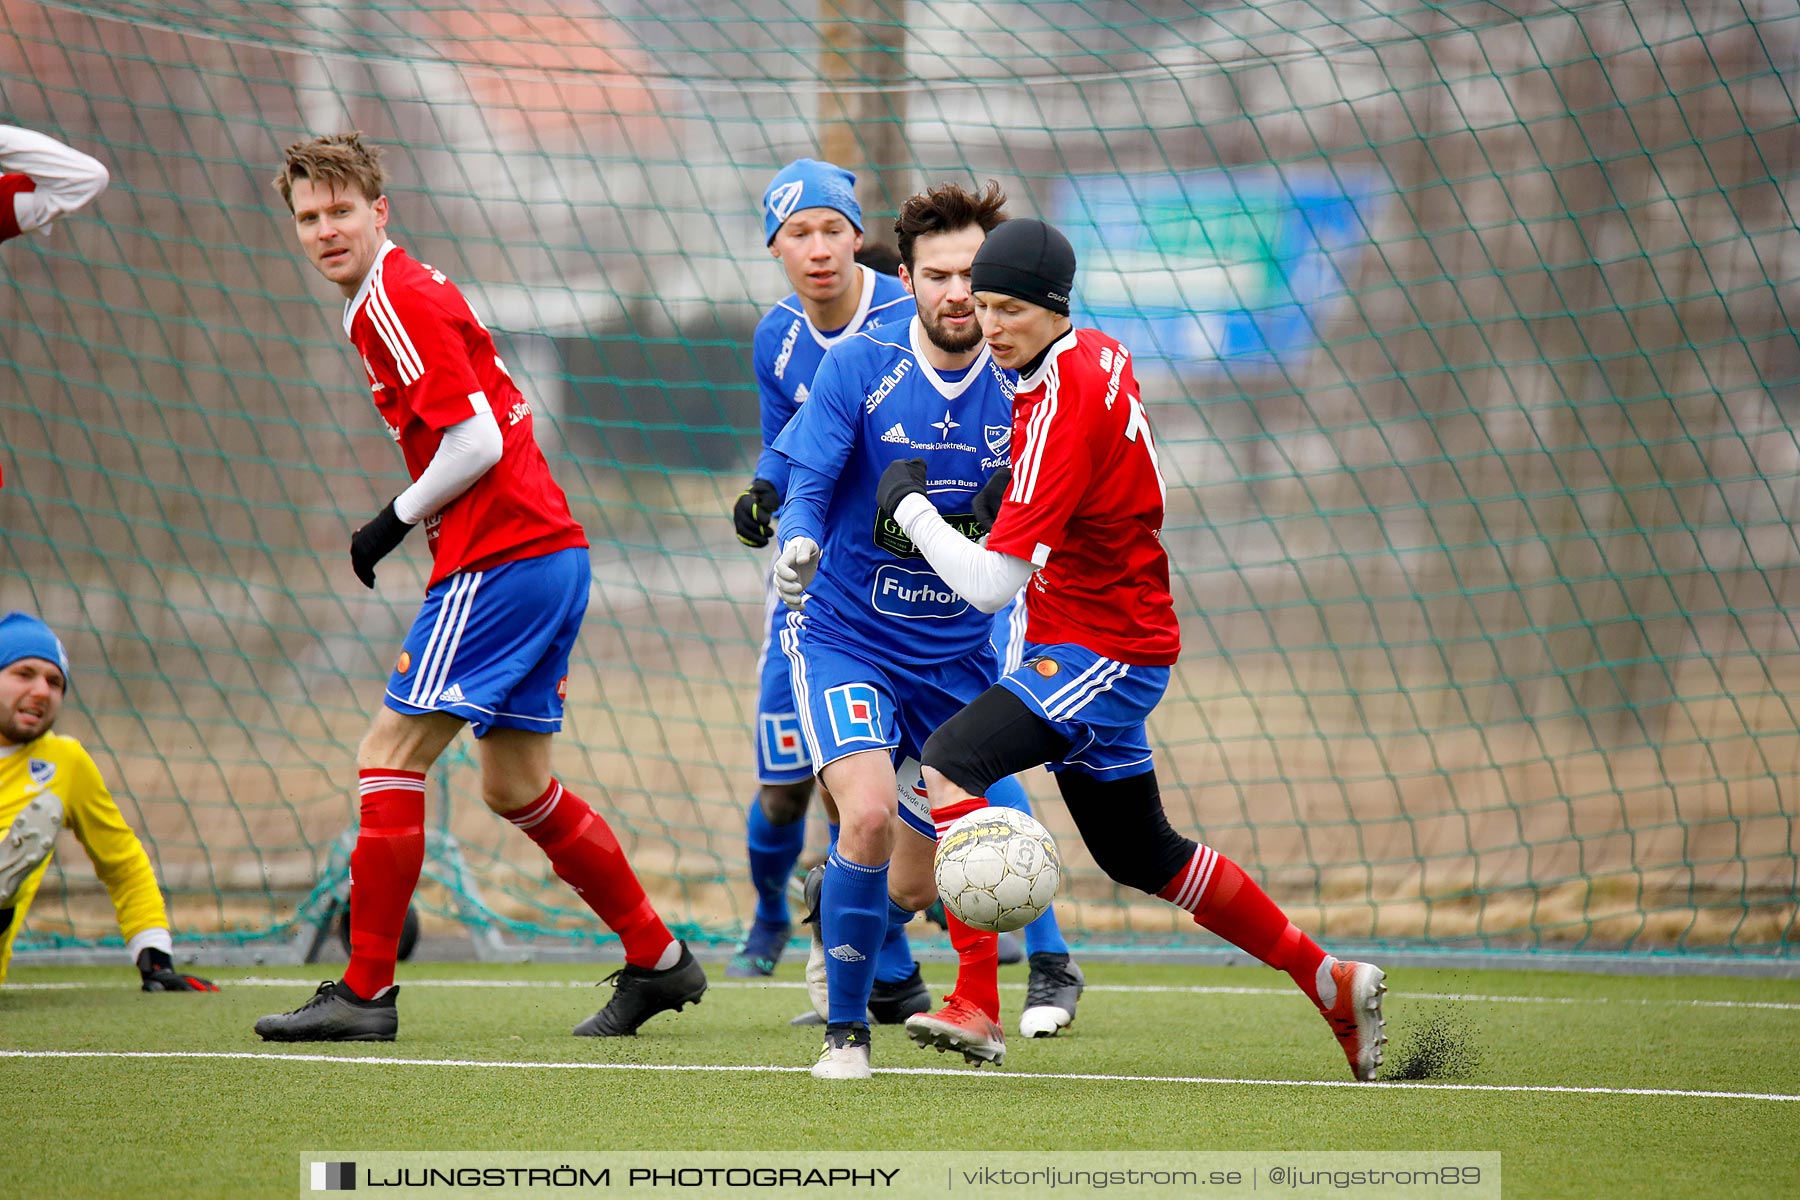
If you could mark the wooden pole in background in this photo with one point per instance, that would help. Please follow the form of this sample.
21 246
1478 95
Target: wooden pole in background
862 107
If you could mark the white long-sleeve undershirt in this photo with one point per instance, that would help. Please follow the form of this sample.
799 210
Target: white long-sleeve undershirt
469 449
985 578
66 178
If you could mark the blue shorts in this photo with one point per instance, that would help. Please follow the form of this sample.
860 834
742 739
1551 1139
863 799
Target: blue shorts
781 755
1097 703
492 647
851 700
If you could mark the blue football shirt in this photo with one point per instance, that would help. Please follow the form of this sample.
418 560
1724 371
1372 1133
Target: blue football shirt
788 347
876 399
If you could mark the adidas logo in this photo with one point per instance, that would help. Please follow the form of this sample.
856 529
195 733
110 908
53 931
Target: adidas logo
897 434
451 695
846 953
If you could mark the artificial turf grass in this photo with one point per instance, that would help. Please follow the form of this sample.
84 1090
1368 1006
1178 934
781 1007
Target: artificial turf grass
235 1127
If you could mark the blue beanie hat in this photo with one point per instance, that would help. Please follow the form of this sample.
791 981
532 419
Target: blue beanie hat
809 183
24 636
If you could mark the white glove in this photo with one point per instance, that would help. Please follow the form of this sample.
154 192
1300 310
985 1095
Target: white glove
794 569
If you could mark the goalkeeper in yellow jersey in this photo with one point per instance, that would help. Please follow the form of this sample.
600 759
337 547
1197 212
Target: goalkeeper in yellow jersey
47 781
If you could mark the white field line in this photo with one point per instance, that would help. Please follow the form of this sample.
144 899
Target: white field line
778 984
949 1073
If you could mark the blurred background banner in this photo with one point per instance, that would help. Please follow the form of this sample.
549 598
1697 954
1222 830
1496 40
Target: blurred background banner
1226 267
1467 332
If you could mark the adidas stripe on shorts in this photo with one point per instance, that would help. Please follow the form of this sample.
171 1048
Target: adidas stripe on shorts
492 647
1098 703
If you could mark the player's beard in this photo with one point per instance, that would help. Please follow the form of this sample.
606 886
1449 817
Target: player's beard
11 731
948 342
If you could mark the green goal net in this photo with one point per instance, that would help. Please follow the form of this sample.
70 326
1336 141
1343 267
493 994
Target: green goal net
1467 331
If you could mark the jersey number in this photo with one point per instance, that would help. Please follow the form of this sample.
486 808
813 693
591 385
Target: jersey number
1137 422
439 276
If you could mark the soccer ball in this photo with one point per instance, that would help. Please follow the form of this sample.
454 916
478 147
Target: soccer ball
997 869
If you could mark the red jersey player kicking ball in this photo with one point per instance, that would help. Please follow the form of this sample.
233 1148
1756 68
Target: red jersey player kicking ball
1080 529
490 647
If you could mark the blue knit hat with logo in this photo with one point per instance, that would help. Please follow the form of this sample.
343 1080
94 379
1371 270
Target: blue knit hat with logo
24 636
809 183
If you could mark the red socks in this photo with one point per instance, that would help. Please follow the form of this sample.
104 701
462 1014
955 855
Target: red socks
977 953
977 966
586 856
384 870
1228 902
390 849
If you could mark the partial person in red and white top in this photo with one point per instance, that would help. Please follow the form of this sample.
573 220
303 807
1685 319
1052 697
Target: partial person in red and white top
490 646
1079 526
41 179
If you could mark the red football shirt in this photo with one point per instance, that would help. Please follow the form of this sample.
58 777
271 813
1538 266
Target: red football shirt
1086 506
10 186
431 365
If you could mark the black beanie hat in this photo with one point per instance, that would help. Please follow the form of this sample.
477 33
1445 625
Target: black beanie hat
1028 260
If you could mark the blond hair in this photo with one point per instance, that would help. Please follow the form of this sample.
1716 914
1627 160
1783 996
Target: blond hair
338 161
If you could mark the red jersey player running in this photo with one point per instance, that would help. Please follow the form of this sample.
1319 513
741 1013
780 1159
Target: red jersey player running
490 647
1080 528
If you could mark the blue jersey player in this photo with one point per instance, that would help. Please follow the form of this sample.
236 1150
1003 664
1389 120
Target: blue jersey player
882 651
813 226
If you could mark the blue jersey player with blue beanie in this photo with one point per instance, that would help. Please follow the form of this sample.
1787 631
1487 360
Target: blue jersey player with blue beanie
812 225
881 650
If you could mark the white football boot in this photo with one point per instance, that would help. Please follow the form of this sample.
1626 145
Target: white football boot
1355 1016
845 1054
817 990
1050 995
28 843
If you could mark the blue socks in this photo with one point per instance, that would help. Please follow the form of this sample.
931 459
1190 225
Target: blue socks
853 925
773 851
1044 935
895 962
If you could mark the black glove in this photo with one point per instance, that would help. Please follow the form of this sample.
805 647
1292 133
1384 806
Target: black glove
902 478
754 511
374 541
986 505
160 975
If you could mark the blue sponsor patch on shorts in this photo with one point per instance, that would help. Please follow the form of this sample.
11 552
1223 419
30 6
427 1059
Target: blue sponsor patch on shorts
855 710
783 748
